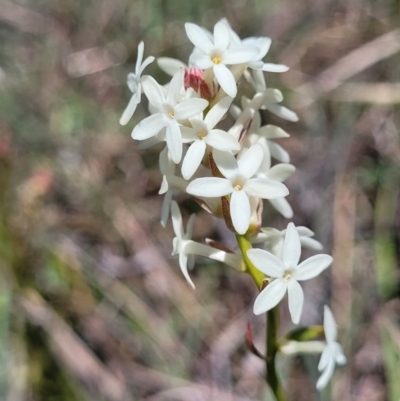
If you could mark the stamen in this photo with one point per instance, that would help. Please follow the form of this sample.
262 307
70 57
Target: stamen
217 60
237 187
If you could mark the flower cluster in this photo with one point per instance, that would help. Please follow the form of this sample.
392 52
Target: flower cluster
221 154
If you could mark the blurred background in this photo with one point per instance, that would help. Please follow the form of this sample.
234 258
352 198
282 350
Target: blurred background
92 305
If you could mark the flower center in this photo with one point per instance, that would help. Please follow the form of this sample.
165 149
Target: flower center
238 183
202 134
171 114
287 275
237 187
216 60
216 57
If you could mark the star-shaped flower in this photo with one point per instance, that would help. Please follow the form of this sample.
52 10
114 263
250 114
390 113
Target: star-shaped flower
215 53
333 352
286 273
134 83
203 133
169 110
239 184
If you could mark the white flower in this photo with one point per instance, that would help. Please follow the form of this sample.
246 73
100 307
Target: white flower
186 248
257 81
135 85
203 134
286 273
171 108
216 54
239 184
273 239
333 352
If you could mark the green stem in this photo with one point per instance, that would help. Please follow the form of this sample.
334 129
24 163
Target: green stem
271 376
244 246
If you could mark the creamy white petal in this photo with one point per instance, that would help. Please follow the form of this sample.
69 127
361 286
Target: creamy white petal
139 58
146 62
326 374
312 267
281 172
193 158
311 243
189 108
149 127
175 86
174 141
153 92
291 247
283 112
265 188
278 152
221 36
166 207
240 211
176 220
170 65
183 264
266 262
216 113
130 109
190 226
250 162
282 206
275 67
198 37
330 329
240 56
221 140
270 296
272 132
296 300
209 187
226 79
226 163
201 60
188 134
304 231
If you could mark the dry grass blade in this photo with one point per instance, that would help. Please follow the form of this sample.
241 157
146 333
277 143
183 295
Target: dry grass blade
72 352
353 63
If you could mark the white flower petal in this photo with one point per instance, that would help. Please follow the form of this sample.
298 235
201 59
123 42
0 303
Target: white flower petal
216 113
272 132
270 296
146 62
250 162
326 375
329 325
283 112
240 211
170 65
221 36
193 158
139 57
183 264
226 163
175 86
153 92
282 206
174 141
278 152
176 220
201 61
266 262
311 243
240 56
221 140
275 67
190 226
304 231
291 247
225 79
209 187
189 108
130 109
265 188
312 267
296 300
198 37
149 127
281 172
